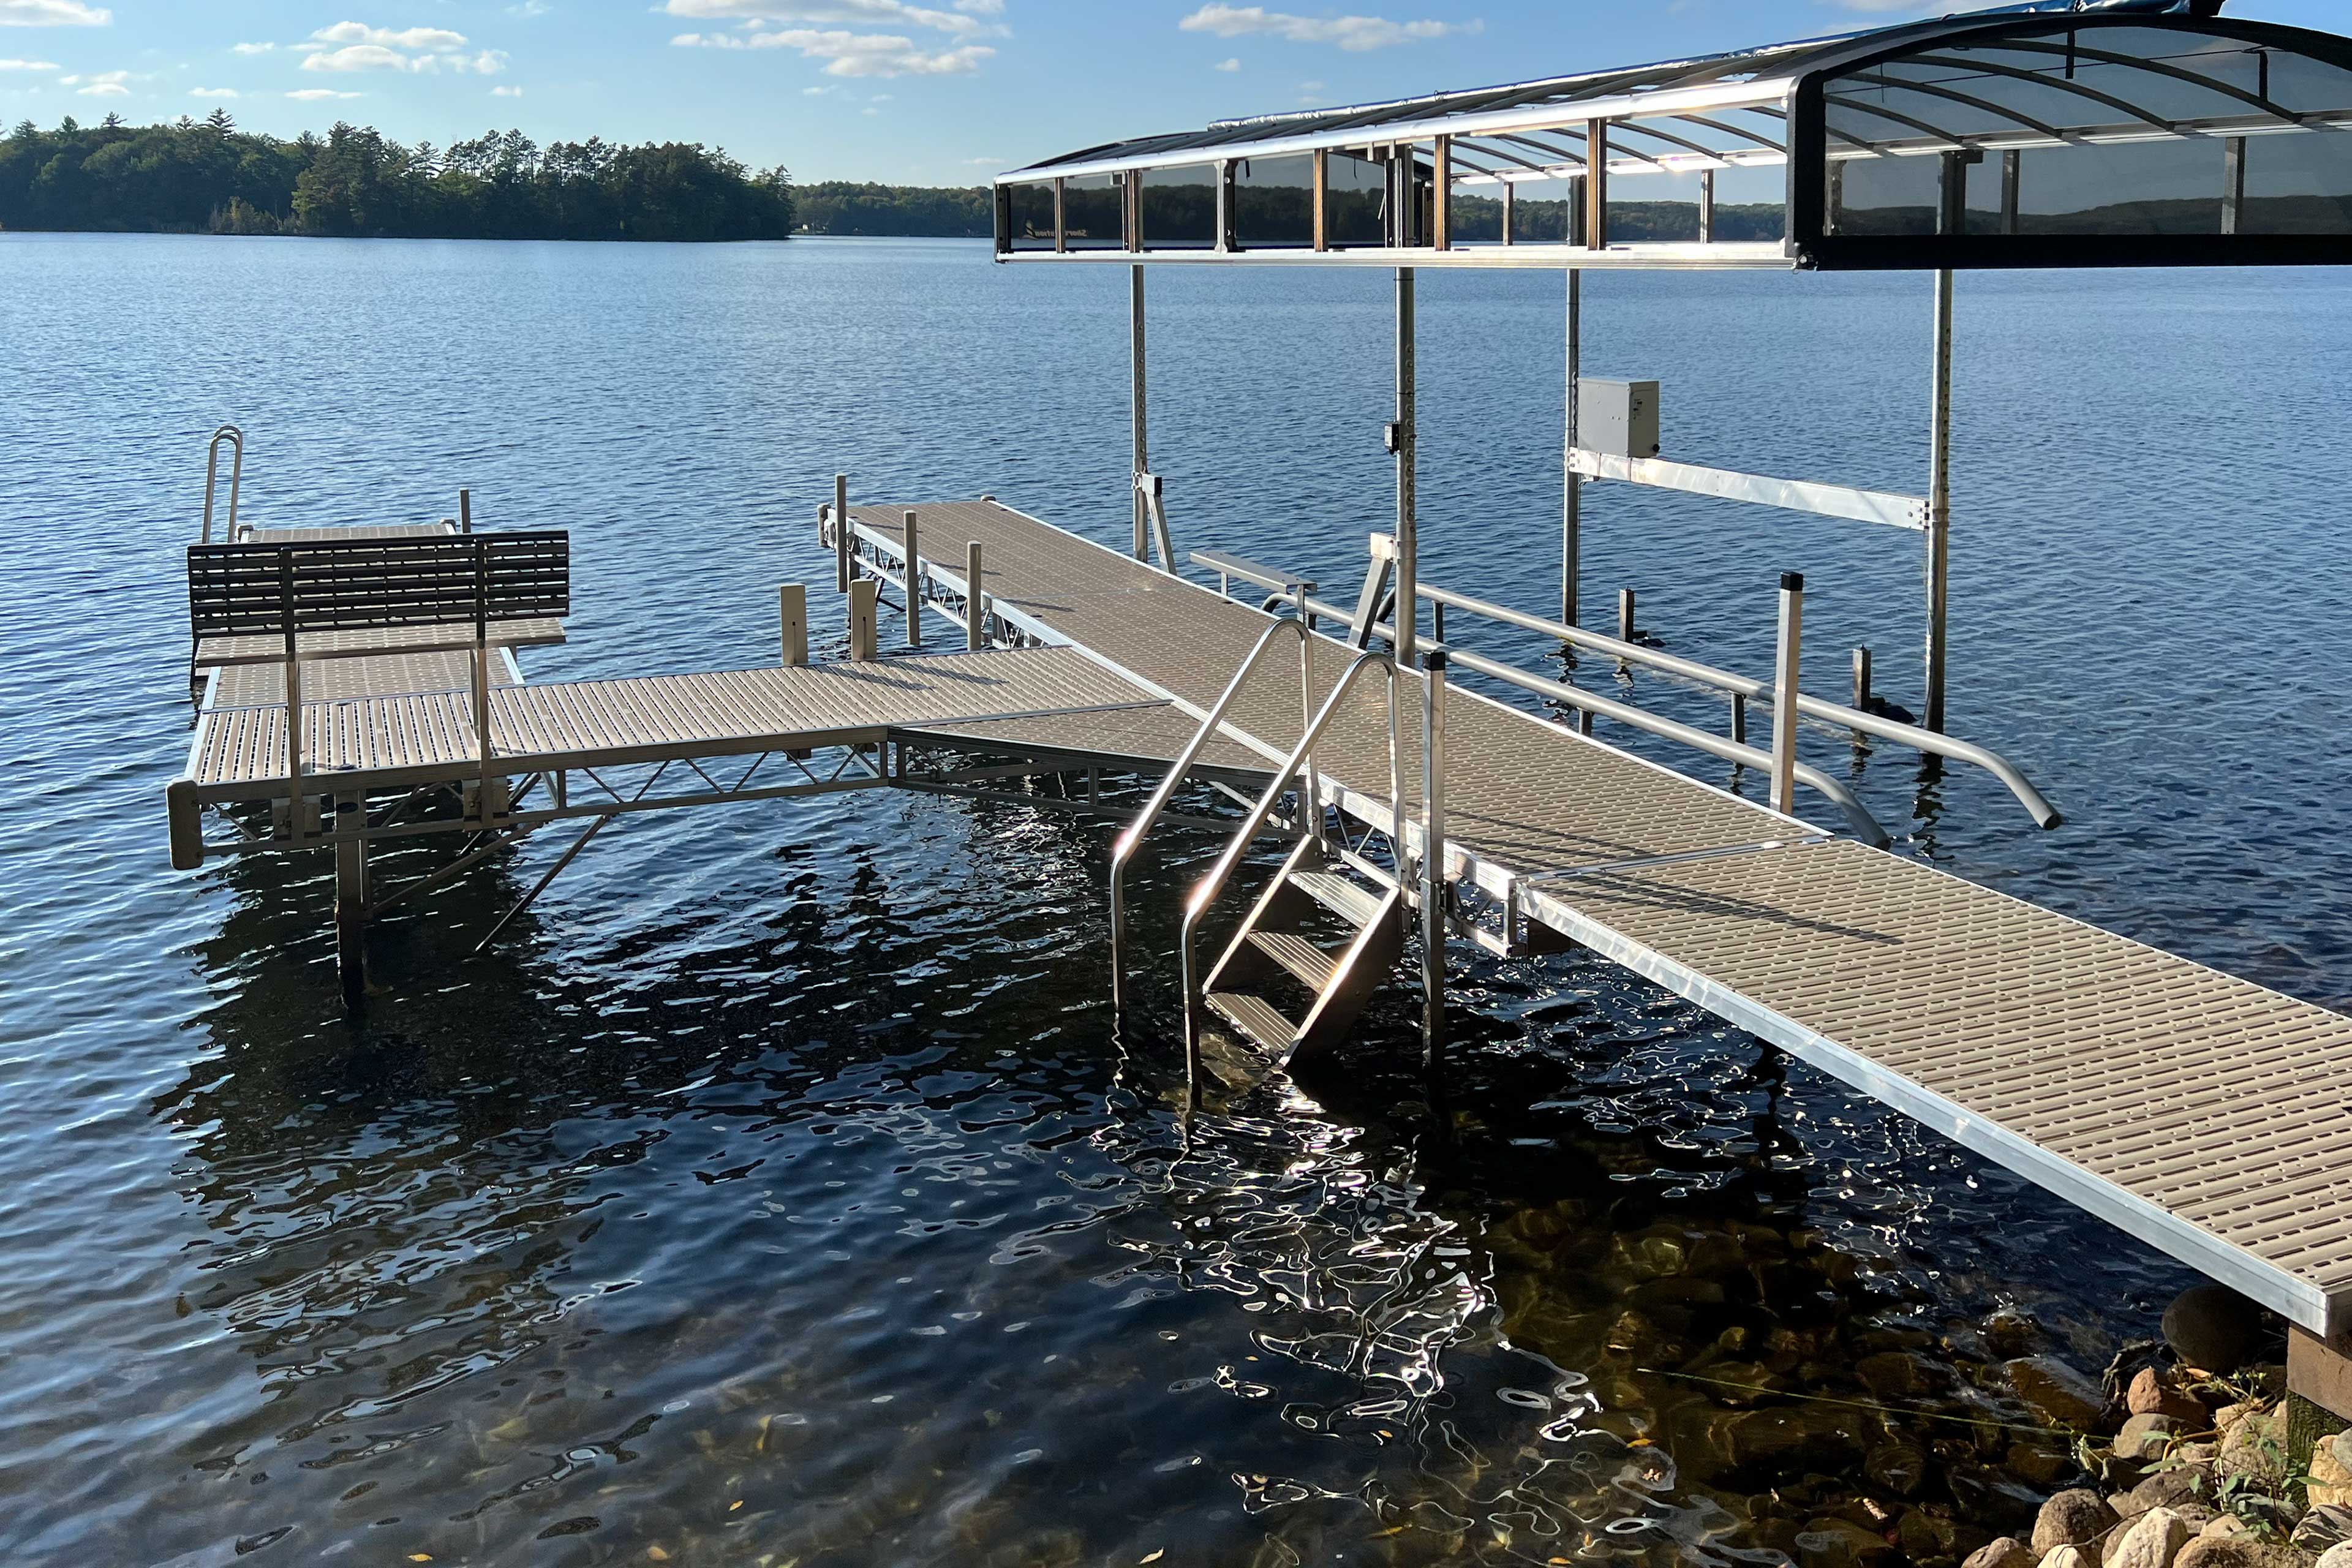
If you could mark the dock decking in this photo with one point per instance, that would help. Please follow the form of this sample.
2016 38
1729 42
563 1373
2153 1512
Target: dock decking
2182 1104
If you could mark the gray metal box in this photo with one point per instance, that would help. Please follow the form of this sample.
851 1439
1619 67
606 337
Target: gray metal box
1617 418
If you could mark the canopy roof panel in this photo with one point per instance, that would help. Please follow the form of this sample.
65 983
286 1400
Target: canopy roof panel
2041 134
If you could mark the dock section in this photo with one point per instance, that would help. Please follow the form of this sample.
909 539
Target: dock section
2170 1098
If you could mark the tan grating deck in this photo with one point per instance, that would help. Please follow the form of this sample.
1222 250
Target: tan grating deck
368 641
2188 1107
417 736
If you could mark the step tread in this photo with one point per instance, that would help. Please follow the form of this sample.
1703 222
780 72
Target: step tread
1308 963
1255 1018
1357 905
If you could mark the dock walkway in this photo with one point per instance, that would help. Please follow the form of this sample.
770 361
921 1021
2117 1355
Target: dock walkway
2182 1104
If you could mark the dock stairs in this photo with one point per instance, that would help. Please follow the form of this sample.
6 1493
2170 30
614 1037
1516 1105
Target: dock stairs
1329 929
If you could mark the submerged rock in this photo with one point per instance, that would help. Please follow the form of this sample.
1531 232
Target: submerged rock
2056 1393
1841 1543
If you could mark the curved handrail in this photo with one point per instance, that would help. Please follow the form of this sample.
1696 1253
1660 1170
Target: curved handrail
1206 893
1132 838
1846 718
1865 826
236 437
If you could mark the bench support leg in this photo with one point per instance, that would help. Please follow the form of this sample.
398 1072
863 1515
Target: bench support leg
2318 1391
350 905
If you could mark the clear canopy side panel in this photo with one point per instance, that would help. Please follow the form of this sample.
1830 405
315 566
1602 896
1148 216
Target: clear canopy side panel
2114 144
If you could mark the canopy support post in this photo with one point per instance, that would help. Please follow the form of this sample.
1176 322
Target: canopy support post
1940 505
1142 457
1571 499
1401 442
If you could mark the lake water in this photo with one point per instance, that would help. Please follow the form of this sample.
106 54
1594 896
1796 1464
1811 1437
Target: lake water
781 1191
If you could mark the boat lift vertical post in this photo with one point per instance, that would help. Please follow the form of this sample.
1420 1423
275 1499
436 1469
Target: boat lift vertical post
841 556
914 582
1433 861
1785 663
1407 614
1142 452
1940 504
1571 499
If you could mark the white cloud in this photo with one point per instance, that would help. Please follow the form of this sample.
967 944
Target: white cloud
850 54
982 7
527 9
855 12
254 48
990 162
1231 65
313 94
27 65
52 14
212 92
506 92
1355 34
100 84
364 47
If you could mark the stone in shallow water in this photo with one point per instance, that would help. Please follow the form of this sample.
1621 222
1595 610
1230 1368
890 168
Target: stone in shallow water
2076 1518
2057 1392
1841 1543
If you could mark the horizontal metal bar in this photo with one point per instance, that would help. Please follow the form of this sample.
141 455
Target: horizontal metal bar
1792 495
1675 257
1737 685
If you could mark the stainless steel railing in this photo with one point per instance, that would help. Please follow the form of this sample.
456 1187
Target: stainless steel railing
1136 831
236 437
1205 895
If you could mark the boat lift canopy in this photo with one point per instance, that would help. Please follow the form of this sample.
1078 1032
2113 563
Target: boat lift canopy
2061 133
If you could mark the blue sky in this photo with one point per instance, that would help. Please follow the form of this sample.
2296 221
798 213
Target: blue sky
921 91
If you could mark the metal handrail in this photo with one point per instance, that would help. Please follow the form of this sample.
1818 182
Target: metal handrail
1922 739
1911 736
1865 826
236 437
1205 894
1132 838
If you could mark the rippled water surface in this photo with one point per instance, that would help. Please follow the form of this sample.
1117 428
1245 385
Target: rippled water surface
781 1190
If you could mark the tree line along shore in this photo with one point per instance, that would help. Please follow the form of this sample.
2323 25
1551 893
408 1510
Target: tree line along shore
206 177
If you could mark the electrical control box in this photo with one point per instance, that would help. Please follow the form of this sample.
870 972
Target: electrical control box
1617 417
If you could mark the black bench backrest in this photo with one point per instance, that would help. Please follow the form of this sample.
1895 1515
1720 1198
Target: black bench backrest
338 585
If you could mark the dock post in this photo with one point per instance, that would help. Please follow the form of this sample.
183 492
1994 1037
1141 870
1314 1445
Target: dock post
486 800
1571 500
792 619
841 555
914 582
975 599
1624 614
294 811
1401 436
1135 393
1433 861
1739 718
350 900
1861 679
464 511
2318 1391
1940 505
865 638
1784 692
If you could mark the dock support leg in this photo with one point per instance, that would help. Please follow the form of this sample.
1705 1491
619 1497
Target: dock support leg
1571 499
1784 694
1135 392
865 638
2318 1391
1940 505
914 584
841 533
791 621
350 903
1433 863
1401 441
